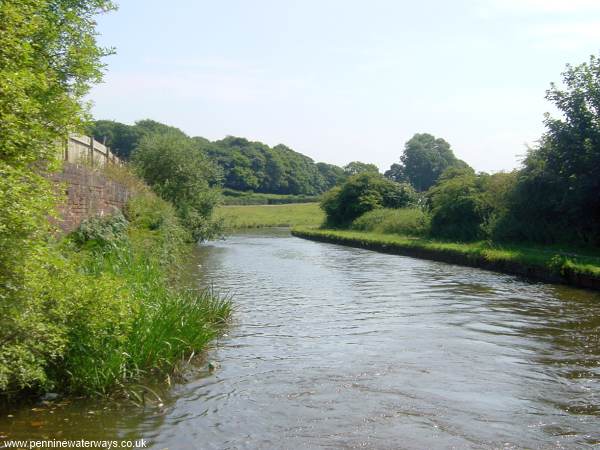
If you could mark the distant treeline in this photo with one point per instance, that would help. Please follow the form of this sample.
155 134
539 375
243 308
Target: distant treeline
553 198
233 197
244 165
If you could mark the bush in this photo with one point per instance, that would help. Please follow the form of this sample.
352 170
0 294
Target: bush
403 221
130 318
177 170
233 197
361 193
458 210
102 231
100 308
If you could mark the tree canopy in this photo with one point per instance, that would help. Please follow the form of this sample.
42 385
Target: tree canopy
48 60
424 159
356 167
246 165
361 193
556 197
177 170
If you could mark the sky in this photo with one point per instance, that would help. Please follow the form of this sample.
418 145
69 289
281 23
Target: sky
346 80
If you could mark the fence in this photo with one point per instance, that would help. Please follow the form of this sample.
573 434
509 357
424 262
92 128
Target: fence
86 149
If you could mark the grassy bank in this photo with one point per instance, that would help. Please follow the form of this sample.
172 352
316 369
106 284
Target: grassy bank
257 216
159 321
550 264
105 305
233 197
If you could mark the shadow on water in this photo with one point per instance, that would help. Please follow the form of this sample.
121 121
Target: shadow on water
341 347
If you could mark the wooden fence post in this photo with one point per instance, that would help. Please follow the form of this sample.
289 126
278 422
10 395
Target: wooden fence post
92 151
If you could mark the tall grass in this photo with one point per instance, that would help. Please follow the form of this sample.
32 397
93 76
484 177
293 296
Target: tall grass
404 221
257 216
153 323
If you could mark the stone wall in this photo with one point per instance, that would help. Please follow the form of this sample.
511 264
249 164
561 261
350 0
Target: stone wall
89 193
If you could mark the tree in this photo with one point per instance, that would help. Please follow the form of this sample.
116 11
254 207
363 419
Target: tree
424 159
361 193
48 60
457 206
179 172
332 175
254 166
356 167
556 196
396 173
121 138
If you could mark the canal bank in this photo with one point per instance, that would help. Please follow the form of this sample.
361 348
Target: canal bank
340 347
548 265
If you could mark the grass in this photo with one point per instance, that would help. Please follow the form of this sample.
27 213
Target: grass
549 262
258 216
154 321
402 221
166 325
233 197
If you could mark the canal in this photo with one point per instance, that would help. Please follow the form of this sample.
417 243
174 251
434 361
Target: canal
337 347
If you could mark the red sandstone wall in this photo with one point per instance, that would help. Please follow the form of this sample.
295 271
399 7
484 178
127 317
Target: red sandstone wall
89 193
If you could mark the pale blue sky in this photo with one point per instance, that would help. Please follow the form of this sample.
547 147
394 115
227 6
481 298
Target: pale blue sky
342 80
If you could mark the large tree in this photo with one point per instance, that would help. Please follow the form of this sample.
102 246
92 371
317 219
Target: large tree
557 194
356 167
121 138
177 170
48 60
424 159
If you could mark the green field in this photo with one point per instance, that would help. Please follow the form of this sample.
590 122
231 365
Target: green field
553 263
258 216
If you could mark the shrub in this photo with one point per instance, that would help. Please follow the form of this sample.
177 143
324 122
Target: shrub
140 321
403 221
102 231
361 193
179 172
457 206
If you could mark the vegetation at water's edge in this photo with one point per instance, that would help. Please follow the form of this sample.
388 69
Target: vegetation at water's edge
111 306
552 200
92 311
258 216
548 263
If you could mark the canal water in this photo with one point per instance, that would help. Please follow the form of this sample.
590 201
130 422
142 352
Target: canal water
335 347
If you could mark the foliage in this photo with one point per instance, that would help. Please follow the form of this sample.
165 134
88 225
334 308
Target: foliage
402 221
102 231
424 159
121 138
332 175
232 197
48 59
178 172
237 217
151 325
457 206
246 165
556 197
356 167
559 263
253 166
362 193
